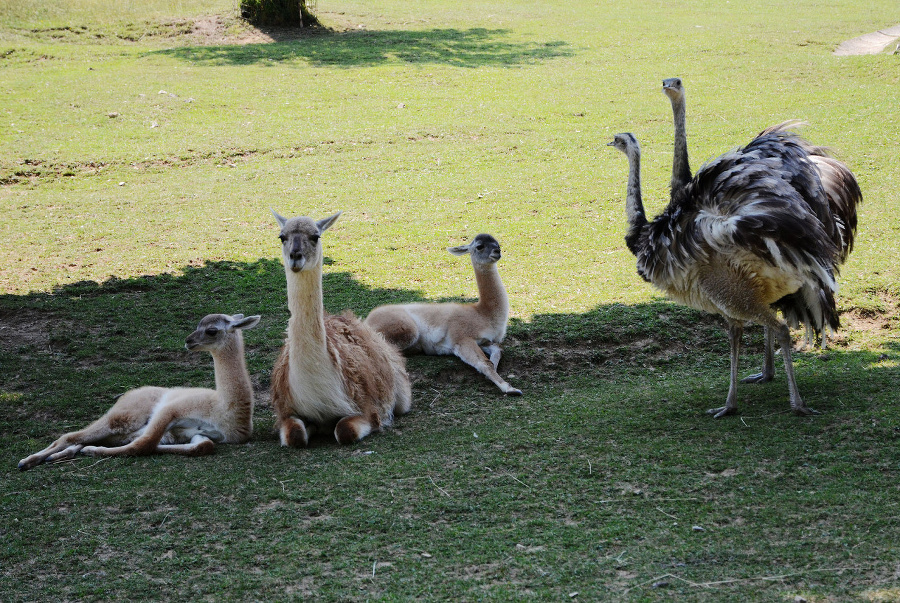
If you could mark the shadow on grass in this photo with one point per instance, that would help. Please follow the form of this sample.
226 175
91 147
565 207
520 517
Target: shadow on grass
66 355
599 469
477 47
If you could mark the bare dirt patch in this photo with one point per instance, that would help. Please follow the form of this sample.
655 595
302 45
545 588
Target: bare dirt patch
218 29
24 329
864 320
880 313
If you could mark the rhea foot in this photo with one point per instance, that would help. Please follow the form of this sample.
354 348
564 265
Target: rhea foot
722 411
805 411
757 378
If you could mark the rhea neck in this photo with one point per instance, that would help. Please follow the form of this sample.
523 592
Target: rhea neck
232 380
681 167
634 204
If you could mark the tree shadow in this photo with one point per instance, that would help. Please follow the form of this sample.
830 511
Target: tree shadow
469 48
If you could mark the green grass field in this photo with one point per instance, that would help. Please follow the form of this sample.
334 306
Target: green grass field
142 146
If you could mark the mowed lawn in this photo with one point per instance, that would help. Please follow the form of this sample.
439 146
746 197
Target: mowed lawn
142 148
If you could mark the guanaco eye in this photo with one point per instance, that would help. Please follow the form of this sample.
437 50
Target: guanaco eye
314 239
283 238
212 331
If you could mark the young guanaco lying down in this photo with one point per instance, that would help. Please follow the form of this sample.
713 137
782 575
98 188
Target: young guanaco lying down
178 420
468 331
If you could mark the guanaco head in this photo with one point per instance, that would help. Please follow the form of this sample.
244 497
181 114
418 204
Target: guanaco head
215 330
626 143
300 240
673 89
484 250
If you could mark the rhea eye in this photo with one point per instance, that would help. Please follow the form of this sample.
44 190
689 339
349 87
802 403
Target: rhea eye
212 331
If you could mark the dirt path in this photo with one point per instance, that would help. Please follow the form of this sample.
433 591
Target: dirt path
872 43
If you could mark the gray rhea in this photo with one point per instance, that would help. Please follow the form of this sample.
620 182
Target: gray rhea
836 210
739 239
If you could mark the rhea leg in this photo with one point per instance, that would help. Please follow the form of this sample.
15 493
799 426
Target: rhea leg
768 370
797 404
734 338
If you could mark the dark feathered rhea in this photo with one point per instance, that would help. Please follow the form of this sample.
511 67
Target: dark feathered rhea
836 211
749 234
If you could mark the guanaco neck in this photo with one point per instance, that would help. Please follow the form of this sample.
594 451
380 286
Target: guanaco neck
681 167
312 367
306 328
232 378
492 298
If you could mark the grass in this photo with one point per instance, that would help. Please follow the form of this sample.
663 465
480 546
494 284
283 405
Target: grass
141 149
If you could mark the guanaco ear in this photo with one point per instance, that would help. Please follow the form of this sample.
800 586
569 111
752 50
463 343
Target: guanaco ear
460 249
325 223
280 219
239 322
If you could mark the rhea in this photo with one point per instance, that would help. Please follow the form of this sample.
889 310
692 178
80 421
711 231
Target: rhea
333 371
471 332
737 239
178 420
836 210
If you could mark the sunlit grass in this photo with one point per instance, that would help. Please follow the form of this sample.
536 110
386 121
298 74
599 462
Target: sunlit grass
50 13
